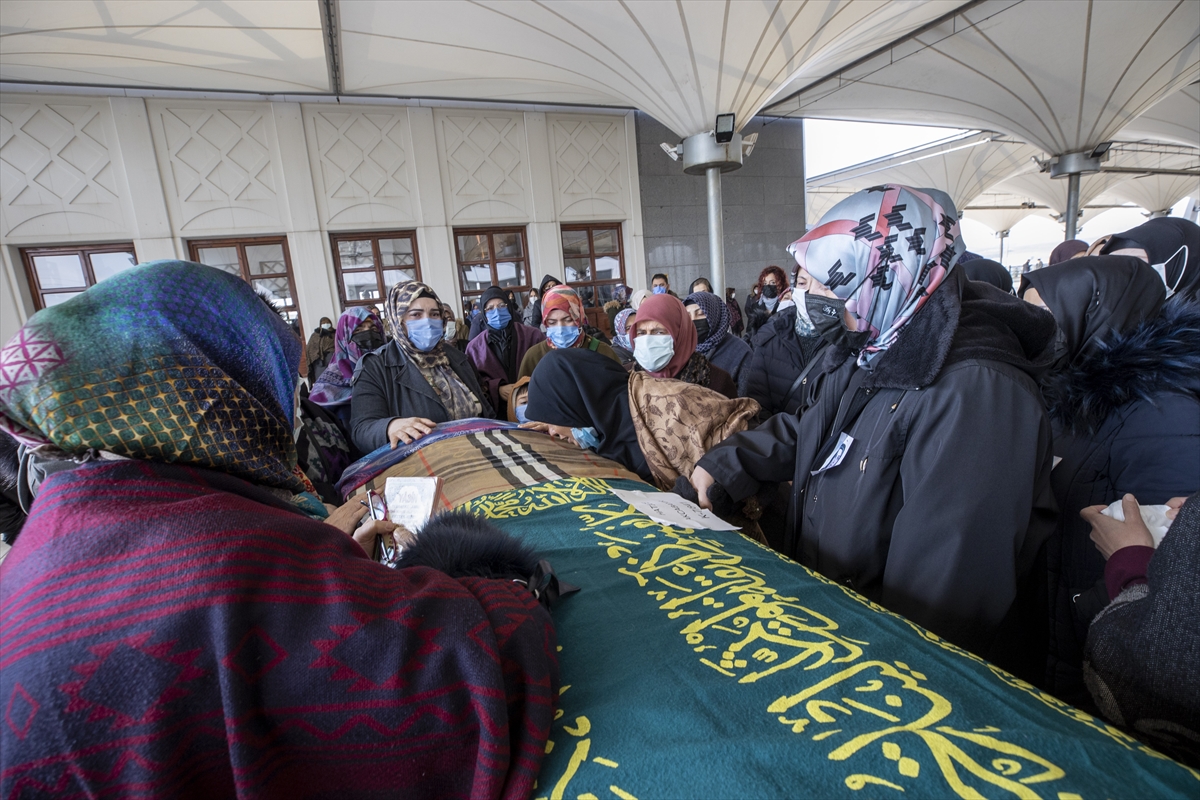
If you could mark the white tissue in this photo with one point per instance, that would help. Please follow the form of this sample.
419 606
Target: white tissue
1155 518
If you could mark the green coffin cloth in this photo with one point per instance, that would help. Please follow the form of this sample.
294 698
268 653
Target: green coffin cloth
699 664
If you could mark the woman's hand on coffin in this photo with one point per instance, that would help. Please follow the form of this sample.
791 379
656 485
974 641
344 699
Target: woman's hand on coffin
408 429
1111 535
701 481
535 426
347 516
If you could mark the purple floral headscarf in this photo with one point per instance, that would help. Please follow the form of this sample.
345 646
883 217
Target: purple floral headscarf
333 385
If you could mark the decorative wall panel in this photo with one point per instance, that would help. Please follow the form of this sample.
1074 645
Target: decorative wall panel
590 167
220 165
362 164
484 165
56 171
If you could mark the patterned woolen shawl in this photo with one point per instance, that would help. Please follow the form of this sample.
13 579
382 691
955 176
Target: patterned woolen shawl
332 388
137 366
178 633
460 403
884 250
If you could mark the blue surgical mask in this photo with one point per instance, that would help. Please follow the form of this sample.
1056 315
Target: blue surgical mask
520 412
498 318
653 351
659 290
563 336
425 334
586 438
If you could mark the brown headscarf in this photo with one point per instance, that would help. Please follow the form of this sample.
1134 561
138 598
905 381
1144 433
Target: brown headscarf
669 312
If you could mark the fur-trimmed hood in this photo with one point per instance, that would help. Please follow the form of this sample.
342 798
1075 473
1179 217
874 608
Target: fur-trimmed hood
1161 354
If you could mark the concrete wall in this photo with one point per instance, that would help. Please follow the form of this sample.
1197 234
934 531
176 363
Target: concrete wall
162 170
763 205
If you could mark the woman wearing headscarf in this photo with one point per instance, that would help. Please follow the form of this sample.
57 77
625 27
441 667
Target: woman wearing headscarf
619 302
920 457
532 315
497 355
775 375
1124 398
320 349
202 608
401 391
991 272
583 397
635 300
358 332
736 326
713 338
664 345
1065 251
765 296
1171 246
622 325
564 321
655 428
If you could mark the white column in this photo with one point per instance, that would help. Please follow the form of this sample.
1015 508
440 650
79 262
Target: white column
316 285
632 235
545 246
133 154
435 239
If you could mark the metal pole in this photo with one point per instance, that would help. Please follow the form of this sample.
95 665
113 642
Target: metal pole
1003 236
716 232
1072 204
1157 214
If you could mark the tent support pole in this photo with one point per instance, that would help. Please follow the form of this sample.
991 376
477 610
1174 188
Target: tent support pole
1003 236
1072 204
716 232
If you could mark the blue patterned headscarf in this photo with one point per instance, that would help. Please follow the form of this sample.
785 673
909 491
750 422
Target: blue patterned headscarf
717 314
170 361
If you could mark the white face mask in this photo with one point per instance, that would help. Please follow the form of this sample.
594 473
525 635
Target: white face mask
653 351
1161 269
804 325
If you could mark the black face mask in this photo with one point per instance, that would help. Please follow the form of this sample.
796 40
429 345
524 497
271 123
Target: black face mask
368 340
702 329
770 291
828 317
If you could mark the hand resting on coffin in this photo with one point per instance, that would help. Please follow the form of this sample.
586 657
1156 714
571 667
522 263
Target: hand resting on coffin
408 429
556 431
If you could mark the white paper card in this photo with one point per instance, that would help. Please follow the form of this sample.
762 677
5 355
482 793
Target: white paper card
410 501
838 454
671 509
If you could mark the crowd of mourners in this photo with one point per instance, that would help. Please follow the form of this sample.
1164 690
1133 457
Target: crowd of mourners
891 412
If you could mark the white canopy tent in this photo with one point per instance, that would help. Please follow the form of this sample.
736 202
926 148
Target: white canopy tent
1175 118
963 166
1046 73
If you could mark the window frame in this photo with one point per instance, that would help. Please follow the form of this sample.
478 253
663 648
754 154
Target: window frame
591 227
522 290
240 243
84 251
377 256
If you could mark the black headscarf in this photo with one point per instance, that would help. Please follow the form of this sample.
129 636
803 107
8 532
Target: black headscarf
1173 247
988 271
578 388
1093 295
500 341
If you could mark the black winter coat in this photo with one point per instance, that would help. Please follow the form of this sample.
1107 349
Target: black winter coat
1127 419
941 505
778 359
387 385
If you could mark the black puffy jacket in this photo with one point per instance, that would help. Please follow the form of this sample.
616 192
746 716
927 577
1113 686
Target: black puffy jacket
1127 419
778 359
941 505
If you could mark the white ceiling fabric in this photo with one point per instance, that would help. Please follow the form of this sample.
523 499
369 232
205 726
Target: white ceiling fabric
1000 211
1048 73
963 167
1157 192
682 63
1175 118
247 45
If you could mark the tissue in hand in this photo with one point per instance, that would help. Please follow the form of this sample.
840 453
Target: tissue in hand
1155 518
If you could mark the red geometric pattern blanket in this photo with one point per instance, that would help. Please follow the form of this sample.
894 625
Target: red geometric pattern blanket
168 631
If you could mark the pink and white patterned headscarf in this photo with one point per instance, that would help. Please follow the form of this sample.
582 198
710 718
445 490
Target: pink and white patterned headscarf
884 250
